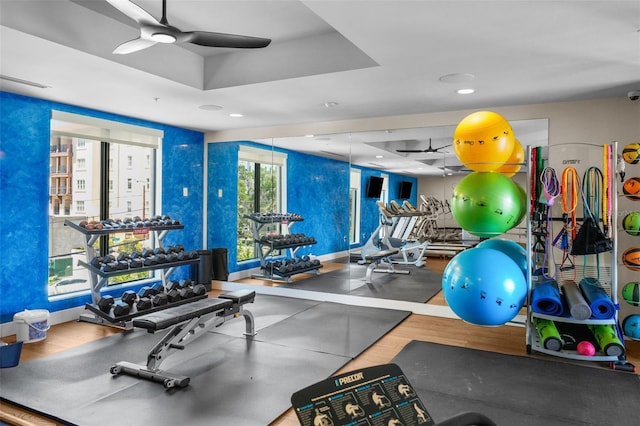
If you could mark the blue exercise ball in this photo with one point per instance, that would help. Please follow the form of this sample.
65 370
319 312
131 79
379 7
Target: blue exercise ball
484 286
512 249
631 326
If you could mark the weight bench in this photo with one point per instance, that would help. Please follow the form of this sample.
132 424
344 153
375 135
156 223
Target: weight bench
376 258
187 322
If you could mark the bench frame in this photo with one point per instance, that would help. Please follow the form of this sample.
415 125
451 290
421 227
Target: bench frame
206 315
381 257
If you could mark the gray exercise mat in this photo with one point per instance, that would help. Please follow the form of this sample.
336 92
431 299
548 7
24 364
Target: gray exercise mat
234 380
518 390
419 286
334 328
267 310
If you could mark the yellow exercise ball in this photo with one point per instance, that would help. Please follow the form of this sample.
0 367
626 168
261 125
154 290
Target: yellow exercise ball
513 164
483 141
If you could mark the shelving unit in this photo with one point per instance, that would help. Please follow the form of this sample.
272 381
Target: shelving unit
283 267
99 279
602 266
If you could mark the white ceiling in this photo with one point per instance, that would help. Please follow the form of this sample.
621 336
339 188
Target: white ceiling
373 58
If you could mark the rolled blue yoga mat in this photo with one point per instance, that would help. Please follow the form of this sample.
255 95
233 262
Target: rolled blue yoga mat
602 307
546 299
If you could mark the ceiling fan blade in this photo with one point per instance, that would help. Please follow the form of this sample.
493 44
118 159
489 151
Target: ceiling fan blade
133 46
209 39
134 12
410 150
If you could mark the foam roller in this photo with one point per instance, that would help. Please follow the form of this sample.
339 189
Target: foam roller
608 340
578 306
548 333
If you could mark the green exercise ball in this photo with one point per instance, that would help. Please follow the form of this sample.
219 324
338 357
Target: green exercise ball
487 204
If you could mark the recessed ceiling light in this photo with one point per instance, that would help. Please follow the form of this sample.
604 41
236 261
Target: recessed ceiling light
210 107
330 104
308 136
235 115
457 78
465 91
379 156
163 38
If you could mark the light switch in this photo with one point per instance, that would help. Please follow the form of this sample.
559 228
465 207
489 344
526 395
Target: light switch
185 192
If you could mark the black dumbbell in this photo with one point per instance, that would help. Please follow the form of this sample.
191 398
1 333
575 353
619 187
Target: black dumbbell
146 291
105 303
129 297
158 288
199 290
173 285
159 299
120 308
186 293
173 296
143 304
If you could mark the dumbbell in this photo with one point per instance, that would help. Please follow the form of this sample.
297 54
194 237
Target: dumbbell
173 285
109 267
199 290
186 293
105 303
120 308
186 283
173 296
146 291
143 304
158 288
96 262
129 297
159 299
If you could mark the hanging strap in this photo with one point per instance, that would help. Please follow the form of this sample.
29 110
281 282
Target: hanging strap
569 189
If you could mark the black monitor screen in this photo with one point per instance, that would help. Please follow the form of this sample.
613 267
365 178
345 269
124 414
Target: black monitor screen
405 190
374 187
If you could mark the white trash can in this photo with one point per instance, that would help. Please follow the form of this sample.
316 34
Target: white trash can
32 325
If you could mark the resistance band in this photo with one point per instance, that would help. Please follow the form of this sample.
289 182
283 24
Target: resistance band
550 190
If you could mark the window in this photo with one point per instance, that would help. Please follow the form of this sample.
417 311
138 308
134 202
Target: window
261 188
100 193
129 161
81 143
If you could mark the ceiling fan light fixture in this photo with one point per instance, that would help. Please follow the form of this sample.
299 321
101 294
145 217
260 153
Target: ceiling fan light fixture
163 38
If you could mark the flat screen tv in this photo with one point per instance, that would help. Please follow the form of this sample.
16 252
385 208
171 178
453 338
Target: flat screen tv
405 190
374 187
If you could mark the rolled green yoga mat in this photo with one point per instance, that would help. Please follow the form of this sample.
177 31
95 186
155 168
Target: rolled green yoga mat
549 335
608 340
578 306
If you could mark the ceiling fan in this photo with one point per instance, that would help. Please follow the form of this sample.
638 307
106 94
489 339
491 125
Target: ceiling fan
428 150
153 31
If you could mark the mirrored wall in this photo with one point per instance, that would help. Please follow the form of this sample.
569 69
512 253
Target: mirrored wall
329 178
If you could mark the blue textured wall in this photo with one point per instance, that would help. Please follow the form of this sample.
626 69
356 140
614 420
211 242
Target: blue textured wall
24 177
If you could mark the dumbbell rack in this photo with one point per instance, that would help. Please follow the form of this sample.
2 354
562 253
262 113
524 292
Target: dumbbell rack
269 245
100 278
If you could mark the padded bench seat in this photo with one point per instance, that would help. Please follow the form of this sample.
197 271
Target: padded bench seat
381 254
171 316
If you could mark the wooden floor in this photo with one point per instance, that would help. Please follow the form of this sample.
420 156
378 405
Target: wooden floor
506 339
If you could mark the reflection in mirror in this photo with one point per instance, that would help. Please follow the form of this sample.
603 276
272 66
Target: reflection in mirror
338 170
